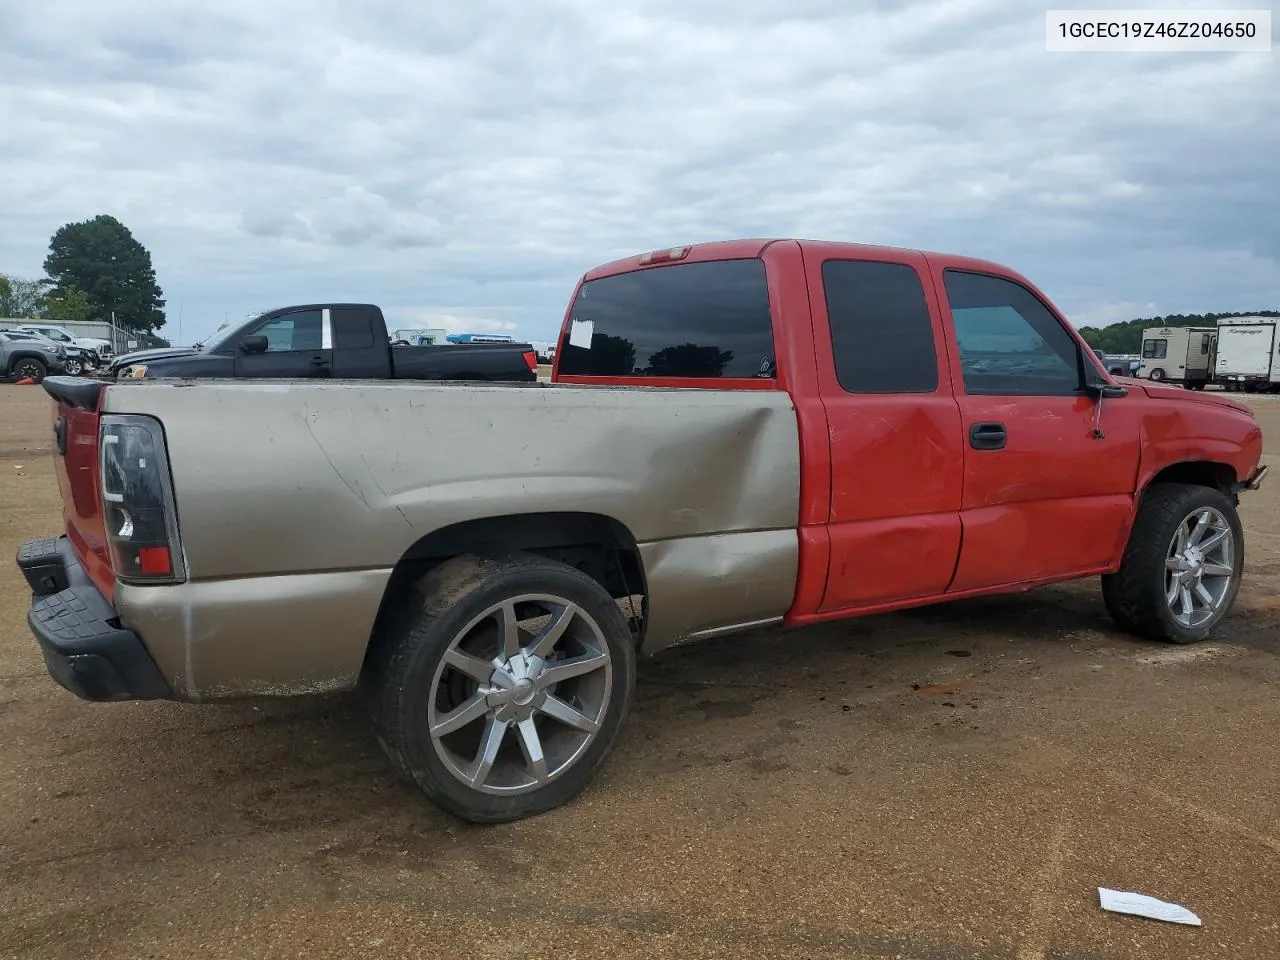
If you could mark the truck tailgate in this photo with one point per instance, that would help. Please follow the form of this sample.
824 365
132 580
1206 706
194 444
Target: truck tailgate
75 429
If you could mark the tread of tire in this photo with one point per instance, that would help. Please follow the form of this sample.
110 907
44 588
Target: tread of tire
1126 595
389 662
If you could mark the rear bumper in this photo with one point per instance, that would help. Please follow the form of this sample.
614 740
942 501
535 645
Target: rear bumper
84 647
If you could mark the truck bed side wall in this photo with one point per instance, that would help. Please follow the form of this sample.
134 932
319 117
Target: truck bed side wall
296 500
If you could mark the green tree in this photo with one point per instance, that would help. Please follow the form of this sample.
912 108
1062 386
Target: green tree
103 259
1126 337
66 303
20 299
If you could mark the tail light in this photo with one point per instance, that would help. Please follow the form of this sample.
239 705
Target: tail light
531 358
137 501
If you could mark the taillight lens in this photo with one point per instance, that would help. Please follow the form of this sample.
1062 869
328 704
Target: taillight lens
137 501
531 358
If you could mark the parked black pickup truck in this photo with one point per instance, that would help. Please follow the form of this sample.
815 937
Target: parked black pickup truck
346 340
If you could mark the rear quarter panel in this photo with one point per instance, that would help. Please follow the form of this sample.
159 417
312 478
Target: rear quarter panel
289 478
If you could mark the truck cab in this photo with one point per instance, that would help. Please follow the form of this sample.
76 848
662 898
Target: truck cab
953 425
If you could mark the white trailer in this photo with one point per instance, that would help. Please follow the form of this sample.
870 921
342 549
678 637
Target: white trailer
420 336
1247 351
1178 355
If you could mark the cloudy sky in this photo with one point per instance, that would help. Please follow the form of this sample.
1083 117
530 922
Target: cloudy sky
462 164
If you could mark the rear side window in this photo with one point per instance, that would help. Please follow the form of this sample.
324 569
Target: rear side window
881 332
1154 349
694 320
352 329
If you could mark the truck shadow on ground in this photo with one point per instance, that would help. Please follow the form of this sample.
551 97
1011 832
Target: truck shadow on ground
312 763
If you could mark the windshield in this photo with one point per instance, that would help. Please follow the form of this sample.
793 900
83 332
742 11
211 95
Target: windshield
217 338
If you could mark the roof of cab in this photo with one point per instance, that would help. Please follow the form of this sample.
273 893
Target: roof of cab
738 249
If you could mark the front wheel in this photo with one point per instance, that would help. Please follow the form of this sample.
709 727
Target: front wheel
29 367
1182 567
74 366
500 685
1157 374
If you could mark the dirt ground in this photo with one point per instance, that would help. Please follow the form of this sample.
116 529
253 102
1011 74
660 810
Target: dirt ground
942 784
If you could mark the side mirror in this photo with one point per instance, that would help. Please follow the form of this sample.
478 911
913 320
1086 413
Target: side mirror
254 344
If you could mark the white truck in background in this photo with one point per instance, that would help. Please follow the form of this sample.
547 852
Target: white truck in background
1247 354
101 349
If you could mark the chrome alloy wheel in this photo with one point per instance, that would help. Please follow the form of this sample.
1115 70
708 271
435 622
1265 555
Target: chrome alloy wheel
520 694
1200 567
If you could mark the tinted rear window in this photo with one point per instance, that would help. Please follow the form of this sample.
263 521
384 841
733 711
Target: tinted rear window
352 329
881 331
697 320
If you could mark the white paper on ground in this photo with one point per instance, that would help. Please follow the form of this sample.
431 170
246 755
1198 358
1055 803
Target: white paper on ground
580 332
1140 905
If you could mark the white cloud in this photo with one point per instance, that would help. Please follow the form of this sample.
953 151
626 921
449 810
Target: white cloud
472 160
419 318
1101 314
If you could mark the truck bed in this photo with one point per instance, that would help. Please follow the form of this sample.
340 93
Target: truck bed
339 479
466 361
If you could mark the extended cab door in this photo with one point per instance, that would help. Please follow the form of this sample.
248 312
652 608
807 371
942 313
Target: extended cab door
360 345
893 427
1044 496
298 345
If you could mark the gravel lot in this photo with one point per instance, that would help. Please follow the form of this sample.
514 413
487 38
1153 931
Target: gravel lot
942 784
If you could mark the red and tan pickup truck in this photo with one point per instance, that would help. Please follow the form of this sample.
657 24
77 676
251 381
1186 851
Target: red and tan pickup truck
737 434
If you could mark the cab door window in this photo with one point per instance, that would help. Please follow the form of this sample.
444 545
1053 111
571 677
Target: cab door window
294 331
1010 343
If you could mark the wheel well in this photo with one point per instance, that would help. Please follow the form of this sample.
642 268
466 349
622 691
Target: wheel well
599 546
19 356
1204 473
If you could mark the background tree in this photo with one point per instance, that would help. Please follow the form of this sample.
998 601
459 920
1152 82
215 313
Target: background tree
1127 337
20 299
101 258
66 303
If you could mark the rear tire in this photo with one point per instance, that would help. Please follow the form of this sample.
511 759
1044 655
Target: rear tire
1179 577
501 685
1157 374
